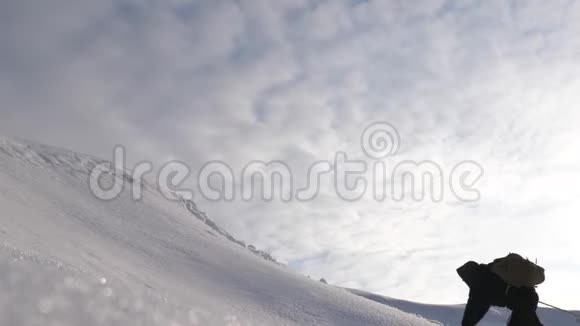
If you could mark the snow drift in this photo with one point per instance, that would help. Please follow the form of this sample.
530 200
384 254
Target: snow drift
452 314
69 258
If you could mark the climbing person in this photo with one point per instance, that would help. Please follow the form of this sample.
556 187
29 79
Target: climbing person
506 282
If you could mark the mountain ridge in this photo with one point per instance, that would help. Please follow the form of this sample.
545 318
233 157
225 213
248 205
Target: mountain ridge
73 249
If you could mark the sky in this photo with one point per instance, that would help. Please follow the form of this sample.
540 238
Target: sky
495 83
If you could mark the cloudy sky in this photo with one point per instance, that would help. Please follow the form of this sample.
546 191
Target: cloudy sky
494 82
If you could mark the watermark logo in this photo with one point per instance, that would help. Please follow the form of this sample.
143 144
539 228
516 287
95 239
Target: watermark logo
380 140
352 179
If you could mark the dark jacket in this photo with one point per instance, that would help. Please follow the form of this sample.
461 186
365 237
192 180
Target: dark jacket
486 289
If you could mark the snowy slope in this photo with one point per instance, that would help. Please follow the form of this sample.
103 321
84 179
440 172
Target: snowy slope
68 258
451 315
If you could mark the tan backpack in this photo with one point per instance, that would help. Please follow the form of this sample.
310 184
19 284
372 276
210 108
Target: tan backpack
517 271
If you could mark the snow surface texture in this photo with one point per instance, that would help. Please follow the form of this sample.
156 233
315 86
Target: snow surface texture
451 315
68 258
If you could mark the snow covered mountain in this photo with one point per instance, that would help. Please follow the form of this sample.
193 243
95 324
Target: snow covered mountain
69 258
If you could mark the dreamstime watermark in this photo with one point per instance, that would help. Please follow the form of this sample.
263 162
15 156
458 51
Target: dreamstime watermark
352 179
